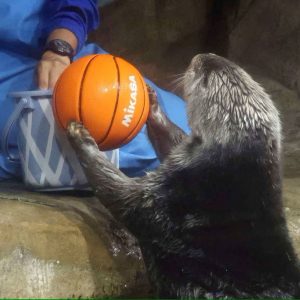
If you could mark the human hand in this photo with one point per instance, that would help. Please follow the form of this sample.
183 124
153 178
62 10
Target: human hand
49 69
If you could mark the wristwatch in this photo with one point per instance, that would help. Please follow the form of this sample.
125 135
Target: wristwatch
60 47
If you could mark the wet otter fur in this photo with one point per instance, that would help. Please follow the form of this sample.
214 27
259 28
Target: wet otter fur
209 220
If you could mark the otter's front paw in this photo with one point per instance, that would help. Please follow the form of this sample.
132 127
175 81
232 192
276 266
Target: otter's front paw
155 113
152 95
152 98
78 134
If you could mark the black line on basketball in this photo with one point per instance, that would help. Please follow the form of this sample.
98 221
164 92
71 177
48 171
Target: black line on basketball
81 88
116 105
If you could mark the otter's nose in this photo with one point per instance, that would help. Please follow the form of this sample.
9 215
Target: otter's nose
202 57
196 59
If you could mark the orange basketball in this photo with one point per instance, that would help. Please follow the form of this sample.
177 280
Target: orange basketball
107 94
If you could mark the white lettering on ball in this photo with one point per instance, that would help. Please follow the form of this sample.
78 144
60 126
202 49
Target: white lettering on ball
129 110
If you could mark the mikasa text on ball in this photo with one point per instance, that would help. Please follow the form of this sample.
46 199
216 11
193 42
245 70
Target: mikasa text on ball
107 94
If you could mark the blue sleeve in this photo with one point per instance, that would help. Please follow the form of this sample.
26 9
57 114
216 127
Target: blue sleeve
78 16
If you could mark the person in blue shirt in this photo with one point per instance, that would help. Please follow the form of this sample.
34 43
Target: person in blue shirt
38 40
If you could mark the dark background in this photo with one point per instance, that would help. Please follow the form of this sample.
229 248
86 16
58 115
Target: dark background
161 36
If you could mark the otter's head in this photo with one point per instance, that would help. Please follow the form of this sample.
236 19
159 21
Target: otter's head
224 101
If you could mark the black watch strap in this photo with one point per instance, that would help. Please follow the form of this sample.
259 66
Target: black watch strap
60 47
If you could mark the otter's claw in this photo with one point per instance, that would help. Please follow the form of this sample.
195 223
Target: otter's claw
155 113
152 95
74 128
78 134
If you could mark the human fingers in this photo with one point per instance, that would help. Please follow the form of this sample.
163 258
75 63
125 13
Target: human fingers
49 69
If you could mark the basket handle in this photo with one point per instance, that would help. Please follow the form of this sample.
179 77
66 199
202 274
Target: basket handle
23 103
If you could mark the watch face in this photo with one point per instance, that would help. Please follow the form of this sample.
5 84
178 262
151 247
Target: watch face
60 47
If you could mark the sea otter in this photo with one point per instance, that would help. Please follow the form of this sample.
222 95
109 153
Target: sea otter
209 220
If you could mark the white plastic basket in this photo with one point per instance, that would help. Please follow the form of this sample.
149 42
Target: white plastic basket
47 159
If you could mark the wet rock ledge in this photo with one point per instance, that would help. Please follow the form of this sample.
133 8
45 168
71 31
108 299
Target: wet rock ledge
58 245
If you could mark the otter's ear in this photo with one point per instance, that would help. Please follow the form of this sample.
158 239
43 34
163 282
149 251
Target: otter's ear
205 81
